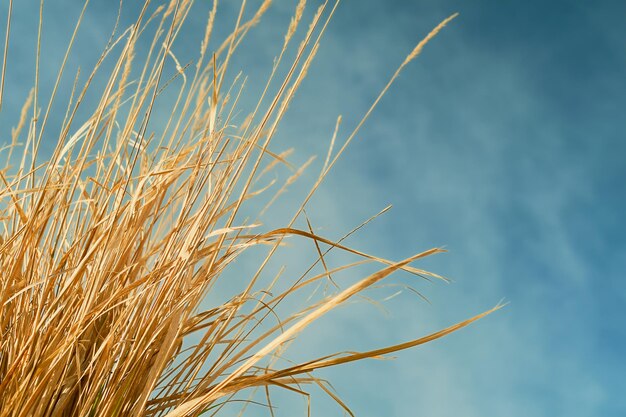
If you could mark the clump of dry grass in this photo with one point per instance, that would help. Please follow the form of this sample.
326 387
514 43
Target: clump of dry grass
110 246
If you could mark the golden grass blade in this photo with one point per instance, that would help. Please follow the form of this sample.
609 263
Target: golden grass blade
6 51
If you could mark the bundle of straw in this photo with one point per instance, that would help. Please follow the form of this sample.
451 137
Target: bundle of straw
109 247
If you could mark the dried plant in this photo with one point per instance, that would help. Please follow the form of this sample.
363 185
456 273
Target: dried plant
109 248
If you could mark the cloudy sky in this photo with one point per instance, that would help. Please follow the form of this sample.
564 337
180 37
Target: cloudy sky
503 142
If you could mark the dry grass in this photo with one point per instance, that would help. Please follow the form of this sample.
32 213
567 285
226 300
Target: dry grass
110 246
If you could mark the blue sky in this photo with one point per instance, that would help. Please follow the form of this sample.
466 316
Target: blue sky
503 142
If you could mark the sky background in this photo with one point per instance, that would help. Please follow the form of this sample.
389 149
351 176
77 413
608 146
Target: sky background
503 142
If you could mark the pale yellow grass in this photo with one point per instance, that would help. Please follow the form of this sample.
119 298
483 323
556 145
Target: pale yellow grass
110 246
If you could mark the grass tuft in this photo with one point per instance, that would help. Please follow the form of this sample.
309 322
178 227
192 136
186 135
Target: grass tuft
112 242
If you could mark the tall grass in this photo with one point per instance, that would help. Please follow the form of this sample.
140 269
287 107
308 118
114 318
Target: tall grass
110 247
